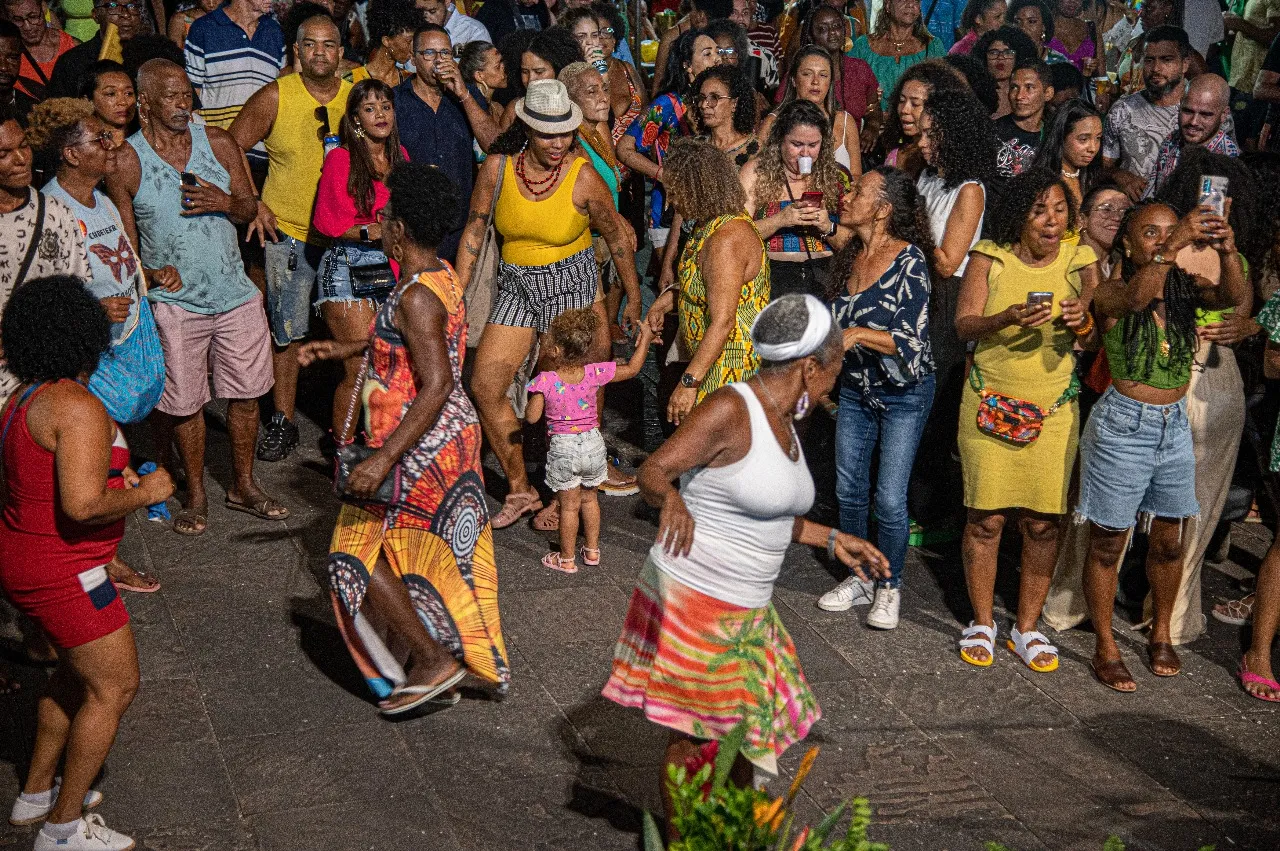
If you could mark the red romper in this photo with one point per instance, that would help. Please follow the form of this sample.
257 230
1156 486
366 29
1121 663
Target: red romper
53 568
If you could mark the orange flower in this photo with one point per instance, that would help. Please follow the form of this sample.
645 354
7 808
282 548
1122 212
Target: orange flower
802 773
800 840
769 815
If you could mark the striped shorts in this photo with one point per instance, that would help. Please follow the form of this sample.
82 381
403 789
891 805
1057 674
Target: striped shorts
532 296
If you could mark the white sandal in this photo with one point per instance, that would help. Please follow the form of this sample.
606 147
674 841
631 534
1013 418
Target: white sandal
1021 643
978 635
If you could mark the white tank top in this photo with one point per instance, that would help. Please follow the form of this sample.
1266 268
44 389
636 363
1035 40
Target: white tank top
939 201
743 514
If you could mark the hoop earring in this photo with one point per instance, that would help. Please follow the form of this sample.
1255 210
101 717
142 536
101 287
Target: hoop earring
802 406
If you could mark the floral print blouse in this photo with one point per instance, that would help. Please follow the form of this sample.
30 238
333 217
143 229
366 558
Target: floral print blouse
654 130
898 303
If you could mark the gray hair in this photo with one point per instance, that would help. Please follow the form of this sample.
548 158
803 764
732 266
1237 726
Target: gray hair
785 320
569 74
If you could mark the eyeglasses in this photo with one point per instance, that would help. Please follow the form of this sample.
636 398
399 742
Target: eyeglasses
112 6
1110 210
433 52
607 30
322 115
727 52
712 100
997 53
105 139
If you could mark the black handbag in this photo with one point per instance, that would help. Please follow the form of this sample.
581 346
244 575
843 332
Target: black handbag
349 455
375 280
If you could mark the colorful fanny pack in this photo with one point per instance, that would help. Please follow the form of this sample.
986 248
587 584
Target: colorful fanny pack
1015 421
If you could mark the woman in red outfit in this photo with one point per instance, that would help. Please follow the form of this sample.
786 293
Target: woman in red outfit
67 489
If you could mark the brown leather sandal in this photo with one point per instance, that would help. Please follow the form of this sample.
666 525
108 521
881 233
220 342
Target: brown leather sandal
1162 654
1112 673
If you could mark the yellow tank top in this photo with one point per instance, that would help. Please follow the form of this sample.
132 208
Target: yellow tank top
296 153
538 233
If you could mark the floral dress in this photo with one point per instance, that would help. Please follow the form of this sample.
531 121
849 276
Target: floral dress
435 536
738 361
665 120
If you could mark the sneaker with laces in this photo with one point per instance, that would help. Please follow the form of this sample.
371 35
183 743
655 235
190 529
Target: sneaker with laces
849 593
279 438
884 611
25 812
91 834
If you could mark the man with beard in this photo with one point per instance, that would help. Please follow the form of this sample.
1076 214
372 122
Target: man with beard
71 68
1140 122
292 116
1204 108
15 103
179 187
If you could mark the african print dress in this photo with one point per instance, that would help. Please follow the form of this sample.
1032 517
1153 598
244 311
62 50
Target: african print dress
739 360
436 537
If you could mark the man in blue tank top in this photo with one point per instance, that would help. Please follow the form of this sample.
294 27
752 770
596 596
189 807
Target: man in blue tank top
180 187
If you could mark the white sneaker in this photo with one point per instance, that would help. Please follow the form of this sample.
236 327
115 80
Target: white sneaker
884 611
92 834
849 593
25 812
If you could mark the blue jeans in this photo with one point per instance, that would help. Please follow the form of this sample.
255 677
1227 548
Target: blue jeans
897 429
335 269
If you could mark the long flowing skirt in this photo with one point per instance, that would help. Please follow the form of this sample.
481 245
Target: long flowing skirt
699 666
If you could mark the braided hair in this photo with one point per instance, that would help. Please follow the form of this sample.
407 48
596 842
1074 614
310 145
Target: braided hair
1138 329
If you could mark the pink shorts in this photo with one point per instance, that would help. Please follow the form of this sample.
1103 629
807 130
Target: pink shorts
232 349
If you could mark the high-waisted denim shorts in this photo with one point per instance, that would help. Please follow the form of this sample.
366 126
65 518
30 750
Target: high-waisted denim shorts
1136 460
335 269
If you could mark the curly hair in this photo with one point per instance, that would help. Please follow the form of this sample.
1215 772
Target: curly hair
980 81
389 18
1049 157
425 200
963 138
570 19
512 47
93 76
1006 219
737 34
789 92
556 46
1019 42
53 328
739 87
702 180
771 177
937 76
573 332
1046 15
55 123
610 16
1181 298
362 176
1251 218
908 222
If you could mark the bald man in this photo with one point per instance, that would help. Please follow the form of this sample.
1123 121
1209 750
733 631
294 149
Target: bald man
1205 106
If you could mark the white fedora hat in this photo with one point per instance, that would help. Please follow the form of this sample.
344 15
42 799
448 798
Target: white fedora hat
546 107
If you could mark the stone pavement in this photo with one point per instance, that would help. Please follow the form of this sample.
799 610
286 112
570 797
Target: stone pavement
252 730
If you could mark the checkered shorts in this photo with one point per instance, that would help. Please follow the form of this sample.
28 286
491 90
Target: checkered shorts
532 296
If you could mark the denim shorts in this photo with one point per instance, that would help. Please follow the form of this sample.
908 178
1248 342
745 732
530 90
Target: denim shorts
1137 460
335 269
576 460
289 289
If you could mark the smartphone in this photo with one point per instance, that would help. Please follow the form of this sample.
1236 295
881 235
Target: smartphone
1035 299
188 179
811 199
1213 193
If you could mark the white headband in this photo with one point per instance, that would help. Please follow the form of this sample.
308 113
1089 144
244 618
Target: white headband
815 334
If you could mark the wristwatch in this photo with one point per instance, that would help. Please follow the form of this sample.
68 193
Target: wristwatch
687 380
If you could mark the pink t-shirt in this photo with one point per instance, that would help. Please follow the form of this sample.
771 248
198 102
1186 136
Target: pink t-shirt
571 408
335 210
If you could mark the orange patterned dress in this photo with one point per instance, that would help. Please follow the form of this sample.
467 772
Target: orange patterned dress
436 537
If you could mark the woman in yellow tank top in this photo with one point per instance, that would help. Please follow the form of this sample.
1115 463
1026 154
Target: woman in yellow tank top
546 207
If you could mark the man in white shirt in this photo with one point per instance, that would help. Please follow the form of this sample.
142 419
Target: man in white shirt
461 28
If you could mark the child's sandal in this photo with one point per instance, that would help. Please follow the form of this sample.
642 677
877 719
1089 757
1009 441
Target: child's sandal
591 556
564 565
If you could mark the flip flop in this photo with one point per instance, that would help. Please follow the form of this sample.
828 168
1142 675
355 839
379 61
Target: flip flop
515 506
1248 678
1162 653
258 509
619 484
200 522
128 585
426 693
1111 673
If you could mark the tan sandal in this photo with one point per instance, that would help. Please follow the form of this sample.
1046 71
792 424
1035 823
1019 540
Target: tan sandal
515 506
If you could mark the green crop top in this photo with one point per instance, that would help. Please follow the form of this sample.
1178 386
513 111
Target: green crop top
1166 374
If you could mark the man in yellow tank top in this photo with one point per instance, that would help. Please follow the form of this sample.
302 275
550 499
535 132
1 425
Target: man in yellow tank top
297 117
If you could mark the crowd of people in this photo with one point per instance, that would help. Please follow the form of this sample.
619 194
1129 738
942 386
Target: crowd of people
995 267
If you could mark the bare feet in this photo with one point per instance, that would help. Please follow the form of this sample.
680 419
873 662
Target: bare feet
129 579
255 501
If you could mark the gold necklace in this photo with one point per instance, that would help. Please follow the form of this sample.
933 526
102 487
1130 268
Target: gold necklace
793 452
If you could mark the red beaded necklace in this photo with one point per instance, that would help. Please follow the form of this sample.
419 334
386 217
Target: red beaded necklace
537 187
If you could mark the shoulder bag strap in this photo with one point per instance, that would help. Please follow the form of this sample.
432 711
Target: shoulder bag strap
36 233
17 406
497 189
349 419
